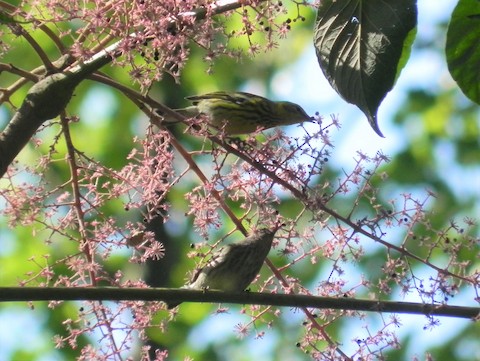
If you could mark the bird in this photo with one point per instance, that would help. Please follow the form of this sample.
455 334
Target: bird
242 113
233 267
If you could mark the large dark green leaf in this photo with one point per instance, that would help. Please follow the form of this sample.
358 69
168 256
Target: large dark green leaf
362 45
463 52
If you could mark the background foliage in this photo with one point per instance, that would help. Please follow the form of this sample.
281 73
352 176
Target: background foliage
432 140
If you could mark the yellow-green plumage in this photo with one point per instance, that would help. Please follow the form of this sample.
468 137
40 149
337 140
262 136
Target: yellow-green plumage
242 113
233 267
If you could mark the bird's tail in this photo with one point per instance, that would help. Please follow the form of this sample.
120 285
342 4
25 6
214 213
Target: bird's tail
171 305
187 112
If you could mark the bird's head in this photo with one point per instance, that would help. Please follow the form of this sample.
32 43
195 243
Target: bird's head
292 113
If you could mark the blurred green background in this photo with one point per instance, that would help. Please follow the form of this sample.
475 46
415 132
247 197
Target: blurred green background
432 137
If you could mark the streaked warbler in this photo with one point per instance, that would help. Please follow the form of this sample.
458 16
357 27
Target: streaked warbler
242 113
233 267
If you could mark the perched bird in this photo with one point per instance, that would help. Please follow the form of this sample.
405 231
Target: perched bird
233 267
243 113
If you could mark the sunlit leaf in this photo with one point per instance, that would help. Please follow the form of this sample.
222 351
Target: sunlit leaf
463 53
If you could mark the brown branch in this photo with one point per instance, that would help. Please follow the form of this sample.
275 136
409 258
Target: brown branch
49 97
45 100
25 294
36 46
323 207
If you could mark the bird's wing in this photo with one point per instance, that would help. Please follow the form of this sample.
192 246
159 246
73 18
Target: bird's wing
232 97
217 258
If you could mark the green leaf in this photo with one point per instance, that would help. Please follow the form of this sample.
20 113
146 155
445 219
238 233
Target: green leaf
463 53
361 47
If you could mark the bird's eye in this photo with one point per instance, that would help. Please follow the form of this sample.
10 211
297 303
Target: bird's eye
298 109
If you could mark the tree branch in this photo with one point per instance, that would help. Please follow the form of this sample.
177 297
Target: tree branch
47 98
25 294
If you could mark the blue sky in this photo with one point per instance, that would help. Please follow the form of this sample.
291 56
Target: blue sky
302 83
